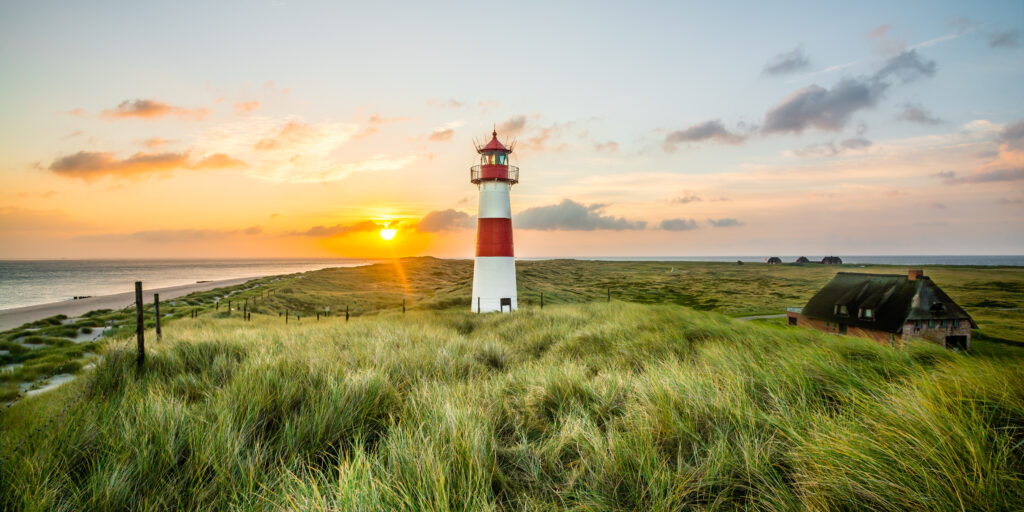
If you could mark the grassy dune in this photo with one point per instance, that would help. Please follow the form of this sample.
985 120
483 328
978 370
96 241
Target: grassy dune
589 406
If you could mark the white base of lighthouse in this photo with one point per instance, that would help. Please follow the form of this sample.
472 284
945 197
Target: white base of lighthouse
494 279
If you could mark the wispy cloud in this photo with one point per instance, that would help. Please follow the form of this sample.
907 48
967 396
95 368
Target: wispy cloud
244 107
572 216
787 63
830 109
678 224
724 223
445 220
915 113
339 229
152 109
712 130
90 165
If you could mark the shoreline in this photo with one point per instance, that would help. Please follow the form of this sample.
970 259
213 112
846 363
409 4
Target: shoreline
16 317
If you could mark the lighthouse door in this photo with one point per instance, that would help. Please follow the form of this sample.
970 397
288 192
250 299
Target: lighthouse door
505 301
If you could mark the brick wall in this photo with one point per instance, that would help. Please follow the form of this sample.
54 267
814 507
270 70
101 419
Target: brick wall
882 337
937 333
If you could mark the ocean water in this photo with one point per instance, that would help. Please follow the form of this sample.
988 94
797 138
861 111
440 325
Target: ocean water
27 283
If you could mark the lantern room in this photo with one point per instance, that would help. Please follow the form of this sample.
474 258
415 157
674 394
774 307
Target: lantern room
494 163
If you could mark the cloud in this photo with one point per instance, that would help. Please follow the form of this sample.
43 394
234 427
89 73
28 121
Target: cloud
787 63
169 236
1008 165
152 109
687 198
708 130
572 216
292 150
724 223
445 220
244 107
338 229
606 147
156 142
90 165
883 42
830 109
441 135
292 134
832 148
1005 39
678 224
937 205
448 103
943 174
915 113
512 127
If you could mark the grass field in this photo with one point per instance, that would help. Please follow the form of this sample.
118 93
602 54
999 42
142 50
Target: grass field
584 405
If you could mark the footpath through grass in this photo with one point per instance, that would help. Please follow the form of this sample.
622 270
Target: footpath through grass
597 406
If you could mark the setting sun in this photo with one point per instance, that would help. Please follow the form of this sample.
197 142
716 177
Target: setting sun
388 233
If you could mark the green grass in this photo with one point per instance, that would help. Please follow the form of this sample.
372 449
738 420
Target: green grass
598 406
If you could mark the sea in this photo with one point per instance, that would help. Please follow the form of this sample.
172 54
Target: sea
31 282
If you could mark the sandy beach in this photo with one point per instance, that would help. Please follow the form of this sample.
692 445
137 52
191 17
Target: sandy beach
14 317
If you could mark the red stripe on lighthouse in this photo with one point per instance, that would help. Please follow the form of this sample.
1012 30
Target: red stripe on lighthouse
494 237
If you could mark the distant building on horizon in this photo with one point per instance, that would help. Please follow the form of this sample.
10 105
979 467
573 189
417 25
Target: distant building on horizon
803 259
887 308
832 260
774 260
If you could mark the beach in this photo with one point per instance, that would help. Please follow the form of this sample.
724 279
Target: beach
14 317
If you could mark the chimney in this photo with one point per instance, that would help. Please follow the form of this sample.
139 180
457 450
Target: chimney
915 274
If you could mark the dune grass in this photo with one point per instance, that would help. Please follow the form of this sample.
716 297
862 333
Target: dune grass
597 406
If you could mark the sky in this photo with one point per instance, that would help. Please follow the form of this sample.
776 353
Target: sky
302 129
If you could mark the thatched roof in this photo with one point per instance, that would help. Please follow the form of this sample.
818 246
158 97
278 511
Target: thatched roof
892 298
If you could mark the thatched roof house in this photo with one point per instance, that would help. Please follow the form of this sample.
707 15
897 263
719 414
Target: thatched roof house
888 308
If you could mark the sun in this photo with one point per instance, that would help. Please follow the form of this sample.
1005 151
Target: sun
388 233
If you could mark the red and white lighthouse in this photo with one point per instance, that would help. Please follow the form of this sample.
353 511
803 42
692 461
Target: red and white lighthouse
494 272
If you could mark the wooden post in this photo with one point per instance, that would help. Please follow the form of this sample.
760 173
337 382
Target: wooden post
286 316
317 316
403 306
542 300
609 294
346 312
216 306
140 324
478 305
245 310
156 312
229 307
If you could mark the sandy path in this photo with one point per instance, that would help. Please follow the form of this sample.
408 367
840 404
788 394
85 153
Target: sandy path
15 317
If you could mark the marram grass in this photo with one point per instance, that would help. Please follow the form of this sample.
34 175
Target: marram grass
584 407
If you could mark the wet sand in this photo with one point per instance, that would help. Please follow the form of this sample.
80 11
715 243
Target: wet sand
15 317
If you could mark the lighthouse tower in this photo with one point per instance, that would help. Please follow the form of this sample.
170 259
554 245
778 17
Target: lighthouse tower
494 272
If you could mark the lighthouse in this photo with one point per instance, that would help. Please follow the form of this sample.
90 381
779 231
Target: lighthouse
494 271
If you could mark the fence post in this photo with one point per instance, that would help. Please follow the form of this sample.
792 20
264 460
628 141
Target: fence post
609 294
286 316
317 316
156 312
403 306
245 310
216 306
140 324
229 307
542 300
478 305
346 312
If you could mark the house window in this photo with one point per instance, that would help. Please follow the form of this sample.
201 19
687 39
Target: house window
956 324
942 323
917 325
931 323
841 310
867 314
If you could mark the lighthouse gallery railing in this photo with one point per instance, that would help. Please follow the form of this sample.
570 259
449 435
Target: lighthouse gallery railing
476 178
